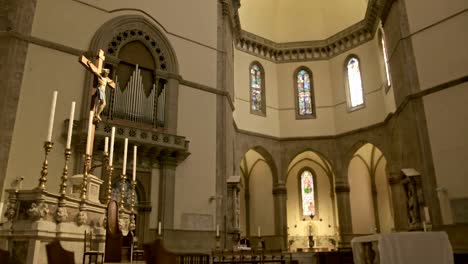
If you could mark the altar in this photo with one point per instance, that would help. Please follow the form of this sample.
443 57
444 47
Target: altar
403 248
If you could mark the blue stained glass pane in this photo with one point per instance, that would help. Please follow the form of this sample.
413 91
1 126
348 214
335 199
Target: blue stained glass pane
304 93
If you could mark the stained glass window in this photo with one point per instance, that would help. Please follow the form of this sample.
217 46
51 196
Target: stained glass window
256 89
307 193
384 51
304 93
356 96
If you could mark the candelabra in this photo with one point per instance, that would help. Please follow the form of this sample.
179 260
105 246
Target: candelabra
123 179
84 185
63 185
132 207
45 165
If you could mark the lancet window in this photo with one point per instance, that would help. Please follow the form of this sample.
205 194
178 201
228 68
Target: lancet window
140 94
307 193
385 59
257 89
305 103
355 93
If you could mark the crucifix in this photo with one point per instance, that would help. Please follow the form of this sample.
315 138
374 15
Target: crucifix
98 99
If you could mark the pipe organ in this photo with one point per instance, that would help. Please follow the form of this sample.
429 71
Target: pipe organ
133 104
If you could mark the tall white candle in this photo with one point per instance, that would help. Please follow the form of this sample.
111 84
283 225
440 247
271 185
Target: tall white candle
217 230
51 116
159 228
90 127
111 155
124 168
134 162
426 214
106 144
70 125
259 233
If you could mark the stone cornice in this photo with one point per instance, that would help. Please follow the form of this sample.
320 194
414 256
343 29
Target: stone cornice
338 43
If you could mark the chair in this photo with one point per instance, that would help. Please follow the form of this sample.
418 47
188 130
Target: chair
90 250
56 254
136 252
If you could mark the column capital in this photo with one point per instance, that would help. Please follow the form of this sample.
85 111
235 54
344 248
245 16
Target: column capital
279 188
342 187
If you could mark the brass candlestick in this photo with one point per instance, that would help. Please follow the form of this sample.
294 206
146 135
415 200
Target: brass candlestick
63 185
110 170
123 179
105 157
45 165
84 185
132 208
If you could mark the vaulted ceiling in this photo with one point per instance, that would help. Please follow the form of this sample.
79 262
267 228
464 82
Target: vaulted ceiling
299 20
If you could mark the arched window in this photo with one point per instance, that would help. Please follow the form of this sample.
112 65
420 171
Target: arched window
355 93
257 89
385 59
305 103
308 195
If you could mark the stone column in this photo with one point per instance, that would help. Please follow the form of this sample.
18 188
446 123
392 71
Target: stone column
16 20
400 215
167 192
170 111
233 209
343 205
281 225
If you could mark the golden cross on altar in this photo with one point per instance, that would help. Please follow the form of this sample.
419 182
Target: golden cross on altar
99 95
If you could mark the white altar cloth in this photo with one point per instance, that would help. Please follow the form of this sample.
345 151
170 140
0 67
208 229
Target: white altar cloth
406 248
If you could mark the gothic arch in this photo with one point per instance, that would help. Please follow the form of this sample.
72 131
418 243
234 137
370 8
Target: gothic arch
119 31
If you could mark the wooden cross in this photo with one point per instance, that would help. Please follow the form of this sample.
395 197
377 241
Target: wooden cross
97 70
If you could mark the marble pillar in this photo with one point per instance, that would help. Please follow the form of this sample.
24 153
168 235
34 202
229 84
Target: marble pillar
281 224
400 214
167 193
343 204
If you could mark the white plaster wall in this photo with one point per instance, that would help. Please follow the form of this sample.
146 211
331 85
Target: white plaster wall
422 13
268 124
362 211
257 16
261 200
324 123
440 51
374 110
298 225
333 116
46 70
446 121
55 22
195 177
384 201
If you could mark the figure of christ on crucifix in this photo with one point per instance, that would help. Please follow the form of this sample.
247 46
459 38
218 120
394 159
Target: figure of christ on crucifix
98 100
